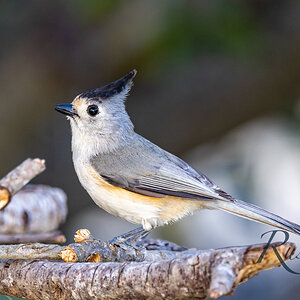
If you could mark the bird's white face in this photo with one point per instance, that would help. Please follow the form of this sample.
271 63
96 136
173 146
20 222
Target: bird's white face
96 116
99 125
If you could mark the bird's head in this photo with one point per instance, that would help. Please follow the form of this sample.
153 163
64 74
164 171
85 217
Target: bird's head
98 116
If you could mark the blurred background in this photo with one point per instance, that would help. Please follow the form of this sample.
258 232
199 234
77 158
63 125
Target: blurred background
217 85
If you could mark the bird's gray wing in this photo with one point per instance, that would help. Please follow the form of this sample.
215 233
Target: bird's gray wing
146 169
177 178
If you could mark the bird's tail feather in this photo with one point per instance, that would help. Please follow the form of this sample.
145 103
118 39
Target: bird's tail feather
255 213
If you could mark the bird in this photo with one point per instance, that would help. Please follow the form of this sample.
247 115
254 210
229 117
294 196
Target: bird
136 180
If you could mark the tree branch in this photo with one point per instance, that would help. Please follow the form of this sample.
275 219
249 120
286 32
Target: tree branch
19 177
167 271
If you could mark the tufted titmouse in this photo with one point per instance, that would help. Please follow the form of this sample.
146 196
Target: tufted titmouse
134 179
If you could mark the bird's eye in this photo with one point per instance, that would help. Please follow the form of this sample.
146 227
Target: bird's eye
93 110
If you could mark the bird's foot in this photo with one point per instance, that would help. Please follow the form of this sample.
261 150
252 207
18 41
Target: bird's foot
131 248
128 243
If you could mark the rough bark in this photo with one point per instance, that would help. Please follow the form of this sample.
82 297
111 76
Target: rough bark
189 274
34 209
19 177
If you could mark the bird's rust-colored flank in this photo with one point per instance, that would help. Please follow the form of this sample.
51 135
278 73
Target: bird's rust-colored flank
170 208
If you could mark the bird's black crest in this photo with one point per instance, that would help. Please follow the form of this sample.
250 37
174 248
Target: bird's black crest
110 89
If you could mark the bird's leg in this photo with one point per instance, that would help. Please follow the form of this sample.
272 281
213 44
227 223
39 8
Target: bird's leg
129 240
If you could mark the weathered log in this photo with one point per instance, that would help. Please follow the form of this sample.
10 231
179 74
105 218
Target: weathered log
19 177
189 274
34 209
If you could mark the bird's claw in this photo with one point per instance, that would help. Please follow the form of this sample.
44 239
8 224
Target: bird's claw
129 246
129 243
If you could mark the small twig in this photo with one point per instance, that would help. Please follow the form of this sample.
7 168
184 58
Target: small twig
86 252
86 248
31 251
18 177
49 237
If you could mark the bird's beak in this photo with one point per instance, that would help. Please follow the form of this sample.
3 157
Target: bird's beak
66 109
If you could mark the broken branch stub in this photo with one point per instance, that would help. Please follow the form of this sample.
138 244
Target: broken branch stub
19 177
4 197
